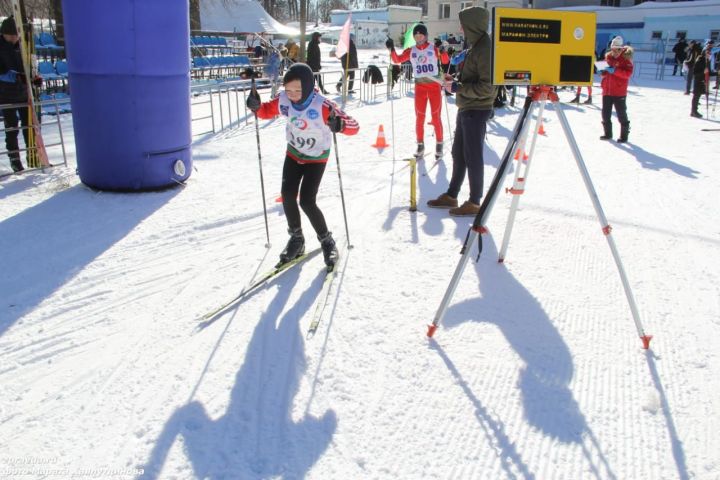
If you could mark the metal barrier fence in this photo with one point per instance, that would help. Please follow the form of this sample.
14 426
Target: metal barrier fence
218 105
46 105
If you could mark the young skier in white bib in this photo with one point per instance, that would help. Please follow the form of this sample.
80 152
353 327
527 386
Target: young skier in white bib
312 120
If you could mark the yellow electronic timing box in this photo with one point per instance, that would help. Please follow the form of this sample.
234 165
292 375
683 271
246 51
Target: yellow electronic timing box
542 47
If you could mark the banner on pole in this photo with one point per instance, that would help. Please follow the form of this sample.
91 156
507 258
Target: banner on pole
343 45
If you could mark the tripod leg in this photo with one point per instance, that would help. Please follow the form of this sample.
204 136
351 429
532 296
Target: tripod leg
520 181
481 218
604 224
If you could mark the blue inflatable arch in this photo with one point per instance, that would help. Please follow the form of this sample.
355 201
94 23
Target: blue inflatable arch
129 71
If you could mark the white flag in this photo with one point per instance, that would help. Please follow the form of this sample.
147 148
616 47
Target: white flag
343 45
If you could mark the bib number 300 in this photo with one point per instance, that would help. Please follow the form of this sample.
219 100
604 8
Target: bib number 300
427 68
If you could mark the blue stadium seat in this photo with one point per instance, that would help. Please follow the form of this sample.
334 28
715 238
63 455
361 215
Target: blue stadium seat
47 71
61 67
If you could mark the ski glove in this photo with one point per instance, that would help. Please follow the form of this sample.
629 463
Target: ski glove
9 77
335 123
389 44
610 70
253 101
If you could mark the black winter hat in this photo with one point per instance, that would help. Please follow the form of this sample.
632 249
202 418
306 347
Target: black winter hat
420 28
300 71
8 27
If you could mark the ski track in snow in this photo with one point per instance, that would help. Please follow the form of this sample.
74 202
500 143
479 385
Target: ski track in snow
536 371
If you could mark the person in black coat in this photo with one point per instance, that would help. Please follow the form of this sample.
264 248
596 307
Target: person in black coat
700 87
313 58
13 90
679 51
350 64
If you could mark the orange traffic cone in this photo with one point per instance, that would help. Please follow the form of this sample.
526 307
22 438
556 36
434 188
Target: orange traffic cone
380 141
541 131
279 199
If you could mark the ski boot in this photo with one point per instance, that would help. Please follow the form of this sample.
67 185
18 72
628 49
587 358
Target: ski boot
438 150
295 246
607 126
575 100
420 152
16 165
588 101
624 132
330 251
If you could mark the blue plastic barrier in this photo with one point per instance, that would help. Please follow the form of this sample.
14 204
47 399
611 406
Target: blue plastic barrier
129 67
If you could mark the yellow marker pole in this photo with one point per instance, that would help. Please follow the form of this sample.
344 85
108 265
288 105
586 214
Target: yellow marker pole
413 184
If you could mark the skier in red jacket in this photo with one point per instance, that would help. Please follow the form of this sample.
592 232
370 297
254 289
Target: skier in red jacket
424 58
312 120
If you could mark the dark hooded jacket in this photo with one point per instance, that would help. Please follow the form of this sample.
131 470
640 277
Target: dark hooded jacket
10 59
475 90
353 62
313 52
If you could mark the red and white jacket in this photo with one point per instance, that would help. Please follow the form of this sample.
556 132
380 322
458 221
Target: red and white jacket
308 136
424 59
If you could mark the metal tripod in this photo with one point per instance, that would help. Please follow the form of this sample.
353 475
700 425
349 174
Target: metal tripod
537 98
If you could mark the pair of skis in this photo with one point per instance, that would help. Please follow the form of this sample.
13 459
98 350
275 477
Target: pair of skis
330 274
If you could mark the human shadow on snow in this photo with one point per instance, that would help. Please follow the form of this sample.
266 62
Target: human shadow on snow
544 381
257 436
47 244
655 162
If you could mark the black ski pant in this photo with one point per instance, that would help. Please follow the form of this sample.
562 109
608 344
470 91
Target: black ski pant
695 103
304 178
10 119
318 77
608 102
467 153
688 80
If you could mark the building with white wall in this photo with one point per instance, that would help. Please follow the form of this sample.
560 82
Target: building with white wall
371 26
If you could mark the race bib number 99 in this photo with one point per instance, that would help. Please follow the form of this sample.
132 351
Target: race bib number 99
302 143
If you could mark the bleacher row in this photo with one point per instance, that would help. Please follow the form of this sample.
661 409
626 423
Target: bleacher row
62 100
49 71
219 66
205 41
45 44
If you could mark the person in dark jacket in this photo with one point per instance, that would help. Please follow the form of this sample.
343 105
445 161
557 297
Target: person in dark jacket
475 94
700 69
693 52
349 64
679 51
313 58
13 90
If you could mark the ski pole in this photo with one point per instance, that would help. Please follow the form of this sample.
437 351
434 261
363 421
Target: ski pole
342 195
447 111
392 110
253 91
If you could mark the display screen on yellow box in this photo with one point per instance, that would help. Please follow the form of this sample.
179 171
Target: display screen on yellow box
542 47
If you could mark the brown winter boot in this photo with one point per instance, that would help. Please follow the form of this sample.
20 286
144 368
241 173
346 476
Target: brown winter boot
443 201
467 209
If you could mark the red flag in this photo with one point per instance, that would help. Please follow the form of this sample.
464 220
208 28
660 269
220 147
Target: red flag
343 45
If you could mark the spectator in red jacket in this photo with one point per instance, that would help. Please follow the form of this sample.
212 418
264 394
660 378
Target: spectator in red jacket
614 84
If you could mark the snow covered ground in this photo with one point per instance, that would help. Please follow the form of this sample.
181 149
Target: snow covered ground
536 372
